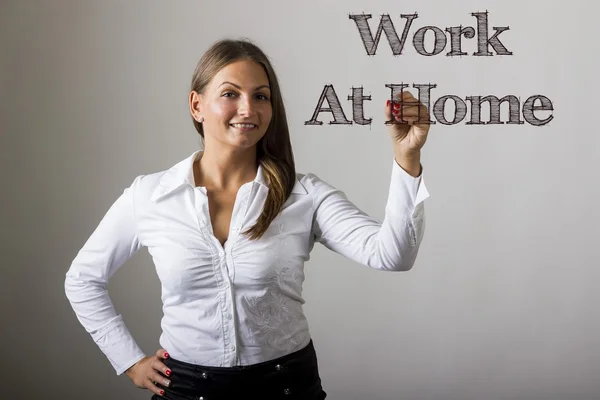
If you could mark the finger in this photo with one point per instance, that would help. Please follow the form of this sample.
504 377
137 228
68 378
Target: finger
388 111
405 119
403 102
416 113
411 111
158 380
162 353
151 386
404 94
395 106
402 121
409 106
410 116
405 97
413 121
404 109
402 97
161 367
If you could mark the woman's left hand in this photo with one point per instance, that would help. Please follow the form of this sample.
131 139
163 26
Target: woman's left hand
410 136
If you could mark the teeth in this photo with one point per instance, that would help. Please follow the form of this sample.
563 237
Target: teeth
243 125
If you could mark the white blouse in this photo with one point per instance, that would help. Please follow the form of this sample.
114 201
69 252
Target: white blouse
240 303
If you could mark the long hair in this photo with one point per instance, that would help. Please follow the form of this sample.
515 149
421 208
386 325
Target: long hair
274 149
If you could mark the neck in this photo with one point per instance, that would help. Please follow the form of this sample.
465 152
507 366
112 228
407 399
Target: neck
224 170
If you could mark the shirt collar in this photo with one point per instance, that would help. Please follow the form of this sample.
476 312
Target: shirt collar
182 174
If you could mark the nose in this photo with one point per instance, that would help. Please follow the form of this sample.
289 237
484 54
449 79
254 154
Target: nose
245 107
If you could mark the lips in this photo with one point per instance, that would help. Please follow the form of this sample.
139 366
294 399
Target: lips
243 125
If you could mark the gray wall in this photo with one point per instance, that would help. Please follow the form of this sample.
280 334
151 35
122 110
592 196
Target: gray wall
502 303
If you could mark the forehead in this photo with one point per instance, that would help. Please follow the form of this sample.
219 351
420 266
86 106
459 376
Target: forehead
243 73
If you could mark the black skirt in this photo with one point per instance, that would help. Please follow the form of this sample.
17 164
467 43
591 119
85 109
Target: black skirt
294 376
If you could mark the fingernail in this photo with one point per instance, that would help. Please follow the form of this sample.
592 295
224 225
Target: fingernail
387 104
166 355
162 392
396 105
168 372
167 382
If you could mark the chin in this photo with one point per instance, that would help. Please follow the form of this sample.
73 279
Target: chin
246 139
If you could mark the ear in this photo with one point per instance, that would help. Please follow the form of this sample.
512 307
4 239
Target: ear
195 104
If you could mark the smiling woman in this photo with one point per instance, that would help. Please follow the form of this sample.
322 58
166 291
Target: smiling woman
229 229
234 83
236 101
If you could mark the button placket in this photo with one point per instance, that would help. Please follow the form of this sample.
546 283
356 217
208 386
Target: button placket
227 334
234 230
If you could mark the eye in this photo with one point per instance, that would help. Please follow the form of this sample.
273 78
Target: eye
228 94
262 97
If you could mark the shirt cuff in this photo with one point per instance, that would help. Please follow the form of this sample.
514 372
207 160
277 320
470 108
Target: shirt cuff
119 347
406 191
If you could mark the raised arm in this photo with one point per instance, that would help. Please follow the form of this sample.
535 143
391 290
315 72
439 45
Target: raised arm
392 244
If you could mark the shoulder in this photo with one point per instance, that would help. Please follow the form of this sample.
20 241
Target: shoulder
314 185
145 186
147 183
158 185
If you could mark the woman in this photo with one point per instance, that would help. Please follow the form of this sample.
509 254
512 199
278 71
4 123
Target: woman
229 229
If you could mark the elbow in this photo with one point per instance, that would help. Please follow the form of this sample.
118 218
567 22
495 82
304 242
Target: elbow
402 263
403 266
70 287
403 255
78 286
409 253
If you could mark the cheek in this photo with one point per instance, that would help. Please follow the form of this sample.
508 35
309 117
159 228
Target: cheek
223 110
267 113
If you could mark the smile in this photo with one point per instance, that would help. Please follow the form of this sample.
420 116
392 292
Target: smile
243 126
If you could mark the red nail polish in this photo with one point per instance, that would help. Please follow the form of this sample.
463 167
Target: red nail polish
396 105
388 103
166 355
162 392
168 372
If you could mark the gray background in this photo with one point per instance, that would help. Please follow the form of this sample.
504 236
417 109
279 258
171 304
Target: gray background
502 302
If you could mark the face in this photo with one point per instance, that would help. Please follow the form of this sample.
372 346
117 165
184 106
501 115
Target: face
236 105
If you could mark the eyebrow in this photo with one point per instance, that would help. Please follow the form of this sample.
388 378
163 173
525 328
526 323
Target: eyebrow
239 87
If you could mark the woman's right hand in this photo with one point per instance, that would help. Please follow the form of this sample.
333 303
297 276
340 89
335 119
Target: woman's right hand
147 372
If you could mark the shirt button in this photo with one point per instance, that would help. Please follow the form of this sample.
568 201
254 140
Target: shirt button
232 347
278 367
204 375
287 391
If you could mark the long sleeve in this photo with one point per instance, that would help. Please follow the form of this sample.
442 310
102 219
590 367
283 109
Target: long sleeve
112 243
392 244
